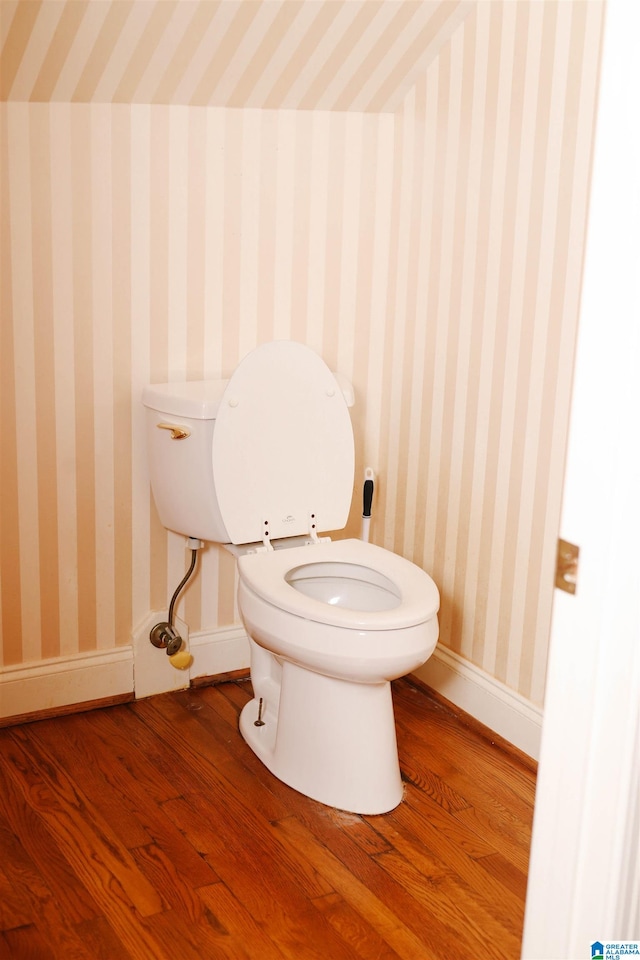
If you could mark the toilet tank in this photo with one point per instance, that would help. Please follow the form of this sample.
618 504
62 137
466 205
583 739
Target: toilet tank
281 458
180 419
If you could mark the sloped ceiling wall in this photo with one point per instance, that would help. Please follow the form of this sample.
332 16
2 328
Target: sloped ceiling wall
341 55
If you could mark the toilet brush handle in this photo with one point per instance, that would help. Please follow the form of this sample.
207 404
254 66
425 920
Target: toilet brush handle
367 497
367 492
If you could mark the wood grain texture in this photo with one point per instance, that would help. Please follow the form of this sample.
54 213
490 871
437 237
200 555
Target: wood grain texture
150 830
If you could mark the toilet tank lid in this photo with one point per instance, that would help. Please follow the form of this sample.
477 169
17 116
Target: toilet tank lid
195 399
200 399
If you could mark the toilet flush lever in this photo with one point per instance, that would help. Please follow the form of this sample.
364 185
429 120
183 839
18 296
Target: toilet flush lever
177 432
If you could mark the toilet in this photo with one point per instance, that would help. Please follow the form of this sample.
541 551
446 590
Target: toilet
263 463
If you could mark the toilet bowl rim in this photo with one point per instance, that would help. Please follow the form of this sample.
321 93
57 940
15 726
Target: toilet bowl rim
265 574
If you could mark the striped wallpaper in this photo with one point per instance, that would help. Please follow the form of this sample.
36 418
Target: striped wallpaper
495 149
433 255
362 55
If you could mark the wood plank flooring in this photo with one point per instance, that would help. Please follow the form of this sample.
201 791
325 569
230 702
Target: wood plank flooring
150 830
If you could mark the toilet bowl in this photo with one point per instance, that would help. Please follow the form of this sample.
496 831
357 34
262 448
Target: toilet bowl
330 626
344 608
261 464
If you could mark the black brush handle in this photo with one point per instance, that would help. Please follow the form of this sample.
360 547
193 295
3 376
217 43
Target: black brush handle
367 497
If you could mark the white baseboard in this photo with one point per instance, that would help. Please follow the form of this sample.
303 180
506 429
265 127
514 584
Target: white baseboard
140 668
64 681
153 671
143 670
219 651
486 699
214 652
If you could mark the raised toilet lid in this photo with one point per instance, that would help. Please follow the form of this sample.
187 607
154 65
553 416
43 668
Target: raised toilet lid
283 455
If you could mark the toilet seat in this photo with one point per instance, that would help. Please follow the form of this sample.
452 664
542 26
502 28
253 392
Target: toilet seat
266 575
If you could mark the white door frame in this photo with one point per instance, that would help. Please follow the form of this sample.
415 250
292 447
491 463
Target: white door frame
584 872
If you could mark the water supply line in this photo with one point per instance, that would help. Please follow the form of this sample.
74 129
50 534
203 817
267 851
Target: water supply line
367 497
164 635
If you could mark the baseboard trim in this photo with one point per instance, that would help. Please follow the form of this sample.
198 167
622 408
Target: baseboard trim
220 651
64 711
489 701
61 682
217 651
56 685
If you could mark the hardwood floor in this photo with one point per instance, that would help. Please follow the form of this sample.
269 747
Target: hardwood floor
150 830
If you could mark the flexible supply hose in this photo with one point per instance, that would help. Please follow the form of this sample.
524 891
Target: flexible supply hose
183 582
163 635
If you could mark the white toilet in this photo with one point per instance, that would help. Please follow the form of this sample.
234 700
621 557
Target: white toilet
262 463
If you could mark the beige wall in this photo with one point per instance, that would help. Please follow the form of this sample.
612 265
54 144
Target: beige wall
434 256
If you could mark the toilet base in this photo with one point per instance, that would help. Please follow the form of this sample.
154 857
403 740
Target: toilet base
332 740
